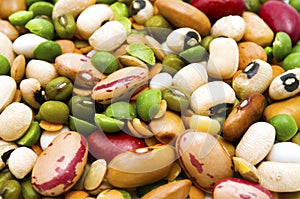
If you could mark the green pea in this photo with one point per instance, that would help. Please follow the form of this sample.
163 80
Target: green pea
30 2
172 63
53 111
105 62
291 61
82 107
10 189
296 48
285 126
126 23
20 18
158 27
295 4
41 8
296 138
121 110
31 135
176 98
47 51
142 52
108 124
65 26
60 88
28 192
206 41
4 65
282 45
269 52
148 104
253 5
81 126
41 27
120 10
194 54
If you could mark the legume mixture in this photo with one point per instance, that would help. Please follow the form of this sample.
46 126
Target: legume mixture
164 99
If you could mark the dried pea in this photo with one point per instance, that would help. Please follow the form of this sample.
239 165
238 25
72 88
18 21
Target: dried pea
121 110
20 18
4 65
120 10
41 8
282 45
60 89
105 62
172 63
142 52
65 26
47 51
28 192
194 54
10 189
31 136
285 126
81 126
41 27
108 124
291 61
53 111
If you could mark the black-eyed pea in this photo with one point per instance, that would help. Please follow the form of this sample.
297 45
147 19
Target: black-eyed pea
232 26
182 38
8 88
26 43
41 70
108 37
256 143
175 190
95 174
6 48
256 77
60 166
141 11
143 166
284 152
279 176
203 159
167 128
244 114
91 18
229 188
5 148
285 85
223 58
207 99
70 6
17 70
21 161
190 77
32 92
15 120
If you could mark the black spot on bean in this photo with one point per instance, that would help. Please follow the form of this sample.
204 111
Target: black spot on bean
191 39
40 96
6 155
251 70
290 82
137 6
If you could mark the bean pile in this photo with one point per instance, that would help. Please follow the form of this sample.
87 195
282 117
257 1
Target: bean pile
164 99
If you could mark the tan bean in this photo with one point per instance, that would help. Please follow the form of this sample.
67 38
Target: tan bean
17 70
6 48
8 29
95 174
8 89
9 7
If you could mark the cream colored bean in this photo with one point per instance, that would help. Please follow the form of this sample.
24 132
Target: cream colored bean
155 46
25 44
279 176
256 142
143 13
6 48
29 87
75 7
284 152
8 29
95 175
14 121
210 95
232 26
41 70
108 37
8 89
161 81
48 136
191 77
17 70
92 18
205 124
223 60
21 161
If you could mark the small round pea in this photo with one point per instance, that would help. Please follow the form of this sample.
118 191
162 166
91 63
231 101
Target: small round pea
65 26
4 66
20 18
105 62
253 5
282 45
47 51
121 110
285 126
53 111
41 8
119 9
41 27
206 41
296 48
158 27
172 63
60 88
291 61
194 54
177 99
